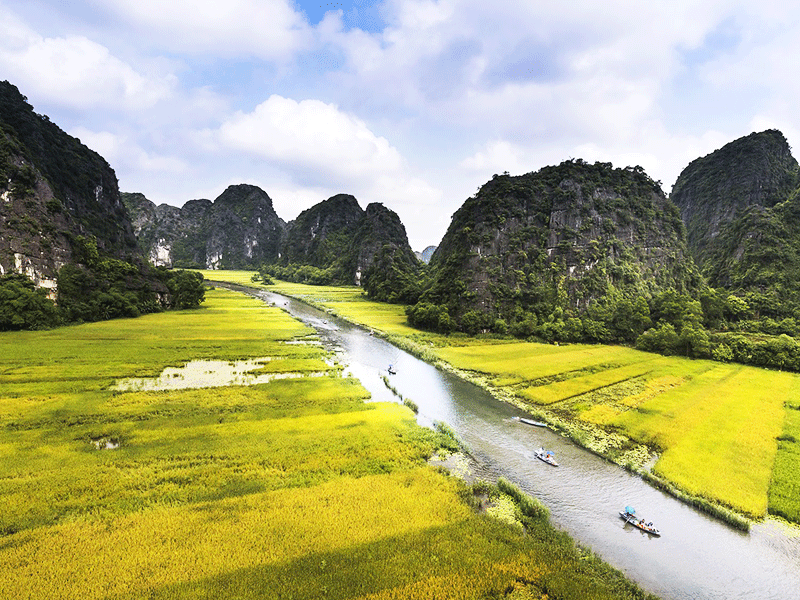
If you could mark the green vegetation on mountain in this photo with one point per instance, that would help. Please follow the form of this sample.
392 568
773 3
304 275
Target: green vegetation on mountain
82 183
65 231
239 229
571 252
741 207
336 242
713 191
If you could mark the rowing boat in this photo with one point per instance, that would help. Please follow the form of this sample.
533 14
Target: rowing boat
629 514
547 456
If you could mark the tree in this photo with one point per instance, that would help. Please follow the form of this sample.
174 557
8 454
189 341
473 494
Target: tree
694 341
661 339
22 306
187 289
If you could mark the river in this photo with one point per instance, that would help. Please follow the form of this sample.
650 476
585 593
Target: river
696 557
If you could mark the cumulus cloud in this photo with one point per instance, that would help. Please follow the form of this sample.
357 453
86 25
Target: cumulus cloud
271 30
124 153
73 70
316 140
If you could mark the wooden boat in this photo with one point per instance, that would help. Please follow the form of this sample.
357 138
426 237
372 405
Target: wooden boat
629 514
547 456
532 422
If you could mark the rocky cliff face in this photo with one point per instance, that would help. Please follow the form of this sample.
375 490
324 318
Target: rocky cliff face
562 236
337 234
711 192
52 190
319 235
380 232
240 229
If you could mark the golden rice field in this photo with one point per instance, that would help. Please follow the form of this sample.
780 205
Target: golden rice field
294 488
715 425
724 432
348 302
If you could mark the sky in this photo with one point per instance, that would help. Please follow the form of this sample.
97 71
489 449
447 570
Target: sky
411 103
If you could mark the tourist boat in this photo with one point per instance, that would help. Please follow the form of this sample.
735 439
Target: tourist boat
629 514
547 456
531 422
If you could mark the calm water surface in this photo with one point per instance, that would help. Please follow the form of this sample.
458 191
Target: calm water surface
696 557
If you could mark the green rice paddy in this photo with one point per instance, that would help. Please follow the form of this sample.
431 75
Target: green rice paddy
293 488
726 433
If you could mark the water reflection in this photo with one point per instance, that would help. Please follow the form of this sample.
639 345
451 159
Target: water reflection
696 556
206 374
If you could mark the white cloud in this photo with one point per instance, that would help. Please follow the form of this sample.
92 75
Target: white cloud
267 29
125 154
73 70
496 157
314 139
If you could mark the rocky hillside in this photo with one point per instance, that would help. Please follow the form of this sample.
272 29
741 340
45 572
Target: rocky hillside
238 230
757 171
53 189
557 239
320 235
381 257
335 241
742 203
338 236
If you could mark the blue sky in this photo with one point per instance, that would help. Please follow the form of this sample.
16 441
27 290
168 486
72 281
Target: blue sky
412 103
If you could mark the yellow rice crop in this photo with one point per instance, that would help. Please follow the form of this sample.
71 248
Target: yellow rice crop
292 487
86 560
716 424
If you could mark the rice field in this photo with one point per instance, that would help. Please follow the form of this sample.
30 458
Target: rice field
784 493
715 425
348 302
292 488
727 433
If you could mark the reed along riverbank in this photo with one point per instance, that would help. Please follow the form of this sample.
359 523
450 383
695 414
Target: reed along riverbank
726 436
295 487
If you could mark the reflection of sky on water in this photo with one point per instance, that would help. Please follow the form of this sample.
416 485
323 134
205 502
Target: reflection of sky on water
696 557
207 373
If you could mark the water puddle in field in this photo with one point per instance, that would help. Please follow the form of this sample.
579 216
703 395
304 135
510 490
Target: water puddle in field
210 373
105 443
696 558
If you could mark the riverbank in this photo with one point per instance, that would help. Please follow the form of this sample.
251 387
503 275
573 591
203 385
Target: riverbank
296 486
653 415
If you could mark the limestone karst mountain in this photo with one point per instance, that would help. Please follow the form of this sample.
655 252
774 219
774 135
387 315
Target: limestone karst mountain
560 237
742 213
757 172
238 230
54 190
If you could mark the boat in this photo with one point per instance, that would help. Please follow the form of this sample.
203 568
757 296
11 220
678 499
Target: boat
531 422
547 456
630 516
391 370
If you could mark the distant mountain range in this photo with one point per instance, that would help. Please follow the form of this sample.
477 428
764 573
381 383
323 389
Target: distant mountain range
240 230
566 236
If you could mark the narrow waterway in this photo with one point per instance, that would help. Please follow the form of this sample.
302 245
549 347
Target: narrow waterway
697 557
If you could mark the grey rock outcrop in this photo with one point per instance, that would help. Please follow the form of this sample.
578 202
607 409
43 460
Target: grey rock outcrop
238 230
53 190
757 170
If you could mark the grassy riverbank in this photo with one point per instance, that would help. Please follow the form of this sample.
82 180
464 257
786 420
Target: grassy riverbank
292 488
726 434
